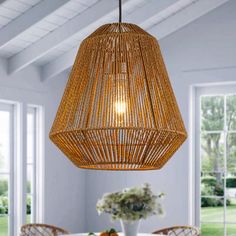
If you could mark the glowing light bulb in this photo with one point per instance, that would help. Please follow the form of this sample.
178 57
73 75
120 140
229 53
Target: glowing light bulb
120 107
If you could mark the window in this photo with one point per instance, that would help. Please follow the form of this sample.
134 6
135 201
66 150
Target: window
20 166
6 168
217 163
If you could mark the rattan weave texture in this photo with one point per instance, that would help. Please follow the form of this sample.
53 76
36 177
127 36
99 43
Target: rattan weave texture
179 231
118 111
41 230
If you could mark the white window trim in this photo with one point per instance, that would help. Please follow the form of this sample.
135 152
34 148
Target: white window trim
33 110
10 109
195 135
18 147
20 161
39 163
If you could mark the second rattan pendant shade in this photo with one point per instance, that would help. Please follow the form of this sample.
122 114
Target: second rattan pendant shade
118 111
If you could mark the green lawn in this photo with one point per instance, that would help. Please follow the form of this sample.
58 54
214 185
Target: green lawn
4 225
217 230
215 214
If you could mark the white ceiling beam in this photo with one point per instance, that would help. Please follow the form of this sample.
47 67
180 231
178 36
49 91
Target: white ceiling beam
149 10
59 65
79 24
137 17
190 11
179 19
28 19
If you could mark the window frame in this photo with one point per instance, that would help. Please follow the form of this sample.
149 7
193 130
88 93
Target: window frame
11 189
223 90
18 164
38 164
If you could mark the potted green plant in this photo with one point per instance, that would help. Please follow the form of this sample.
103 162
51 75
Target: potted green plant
130 206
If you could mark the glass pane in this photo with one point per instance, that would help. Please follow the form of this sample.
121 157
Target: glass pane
31 134
212 229
4 140
30 137
3 194
212 184
3 225
29 178
231 206
231 112
212 209
212 113
231 156
231 229
3 205
28 208
212 150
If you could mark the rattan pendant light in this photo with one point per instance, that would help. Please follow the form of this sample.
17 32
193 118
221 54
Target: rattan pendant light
118 111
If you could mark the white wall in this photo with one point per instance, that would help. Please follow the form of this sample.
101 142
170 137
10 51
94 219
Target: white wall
64 183
201 53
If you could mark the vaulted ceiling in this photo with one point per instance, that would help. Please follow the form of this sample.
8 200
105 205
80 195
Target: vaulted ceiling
47 33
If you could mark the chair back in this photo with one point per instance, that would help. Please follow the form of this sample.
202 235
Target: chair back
41 230
179 231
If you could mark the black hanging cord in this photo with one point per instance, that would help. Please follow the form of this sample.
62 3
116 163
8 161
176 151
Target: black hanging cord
120 11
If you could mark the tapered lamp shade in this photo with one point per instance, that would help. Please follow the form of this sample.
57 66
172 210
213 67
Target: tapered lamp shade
118 111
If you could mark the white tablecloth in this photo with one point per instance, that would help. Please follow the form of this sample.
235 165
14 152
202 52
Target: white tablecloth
120 234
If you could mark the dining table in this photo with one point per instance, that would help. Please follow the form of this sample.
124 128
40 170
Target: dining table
120 234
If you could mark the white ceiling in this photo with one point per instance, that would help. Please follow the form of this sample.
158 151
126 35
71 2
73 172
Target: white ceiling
47 33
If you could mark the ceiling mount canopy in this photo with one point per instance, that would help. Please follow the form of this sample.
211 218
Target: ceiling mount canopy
118 111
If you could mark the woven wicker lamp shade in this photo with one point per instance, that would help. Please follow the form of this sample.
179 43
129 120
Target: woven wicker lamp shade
118 111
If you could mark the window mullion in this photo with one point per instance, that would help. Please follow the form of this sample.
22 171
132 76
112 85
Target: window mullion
39 163
24 161
198 163
225 164
21 177
11 202
33 207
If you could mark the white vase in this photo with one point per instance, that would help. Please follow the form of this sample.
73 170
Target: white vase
130 228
